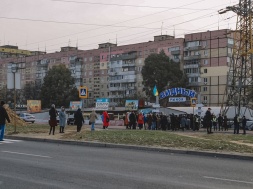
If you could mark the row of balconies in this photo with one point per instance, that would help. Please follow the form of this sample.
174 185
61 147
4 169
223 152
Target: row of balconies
124 57
121 88
123 81
122 73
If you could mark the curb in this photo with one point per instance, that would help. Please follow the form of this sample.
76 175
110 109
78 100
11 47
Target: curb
133 147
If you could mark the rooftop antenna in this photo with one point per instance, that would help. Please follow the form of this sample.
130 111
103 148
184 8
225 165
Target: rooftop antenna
174 32
77 43
45 47
162 29
116 39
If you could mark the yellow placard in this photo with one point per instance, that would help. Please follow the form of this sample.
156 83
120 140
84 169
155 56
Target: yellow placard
83 92
33 106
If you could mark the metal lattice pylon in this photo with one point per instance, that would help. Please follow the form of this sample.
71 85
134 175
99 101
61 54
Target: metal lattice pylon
239 78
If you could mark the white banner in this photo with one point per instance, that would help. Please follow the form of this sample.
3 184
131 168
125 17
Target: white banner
102 105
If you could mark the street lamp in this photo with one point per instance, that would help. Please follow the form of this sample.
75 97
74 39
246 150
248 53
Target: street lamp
13 78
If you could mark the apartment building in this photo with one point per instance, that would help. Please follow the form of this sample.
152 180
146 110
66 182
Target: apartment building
114 72
206 62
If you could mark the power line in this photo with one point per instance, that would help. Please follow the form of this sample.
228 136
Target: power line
122 5
118 22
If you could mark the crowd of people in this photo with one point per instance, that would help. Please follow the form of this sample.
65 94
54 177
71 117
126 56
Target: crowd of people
158 121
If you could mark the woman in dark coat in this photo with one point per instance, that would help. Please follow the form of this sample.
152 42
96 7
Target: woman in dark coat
52 122
79 119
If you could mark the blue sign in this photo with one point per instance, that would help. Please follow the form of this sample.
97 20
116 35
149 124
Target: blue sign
177 99
83 92
102 100
177 91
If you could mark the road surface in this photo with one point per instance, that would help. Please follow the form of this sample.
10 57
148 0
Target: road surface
30 165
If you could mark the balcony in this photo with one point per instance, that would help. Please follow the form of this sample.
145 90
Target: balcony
176 52
192 57
127 73
75 60
193 74
191 66
193 48
194 84
128 65
124 57
123 81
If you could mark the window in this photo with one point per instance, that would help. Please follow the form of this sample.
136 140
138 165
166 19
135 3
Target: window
174 49
205 70
205 98
205 62
102 57
176 57
85 59
90 58
205 79
204 43
205 53
192 44
102 64
230 41
204 88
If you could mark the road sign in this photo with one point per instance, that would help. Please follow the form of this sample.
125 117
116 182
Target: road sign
102 104
177 99
83 92
193 102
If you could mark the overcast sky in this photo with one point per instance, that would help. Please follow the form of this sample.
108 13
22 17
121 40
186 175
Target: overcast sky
51 24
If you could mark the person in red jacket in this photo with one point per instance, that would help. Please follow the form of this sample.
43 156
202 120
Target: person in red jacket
106 120
140 120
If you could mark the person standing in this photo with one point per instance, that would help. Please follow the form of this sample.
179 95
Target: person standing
140 120
62 119
244 122
236 125
3 117
52 122
220 120
208 121
183 122
132 119
93 117
106 120
225 123
78 119
214 120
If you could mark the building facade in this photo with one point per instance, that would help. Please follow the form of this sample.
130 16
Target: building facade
114 72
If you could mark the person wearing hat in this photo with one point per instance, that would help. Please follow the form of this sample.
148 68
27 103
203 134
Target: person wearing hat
208 121
3 117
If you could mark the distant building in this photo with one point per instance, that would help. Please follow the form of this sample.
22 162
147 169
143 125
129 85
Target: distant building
114 72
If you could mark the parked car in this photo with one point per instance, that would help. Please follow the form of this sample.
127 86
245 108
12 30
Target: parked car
27 117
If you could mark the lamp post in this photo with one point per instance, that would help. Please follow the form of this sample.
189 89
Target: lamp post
12 78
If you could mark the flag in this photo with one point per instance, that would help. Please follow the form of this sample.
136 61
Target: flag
155 91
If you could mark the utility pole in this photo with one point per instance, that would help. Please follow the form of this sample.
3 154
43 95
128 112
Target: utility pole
240 75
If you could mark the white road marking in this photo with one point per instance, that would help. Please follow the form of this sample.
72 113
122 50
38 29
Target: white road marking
230 180
8 141
26 154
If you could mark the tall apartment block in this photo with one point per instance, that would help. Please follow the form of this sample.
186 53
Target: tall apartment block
207 57
114 72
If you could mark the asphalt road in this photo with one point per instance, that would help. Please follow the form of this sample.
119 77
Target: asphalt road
30 165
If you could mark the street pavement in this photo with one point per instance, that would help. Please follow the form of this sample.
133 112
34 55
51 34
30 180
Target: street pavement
30 165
